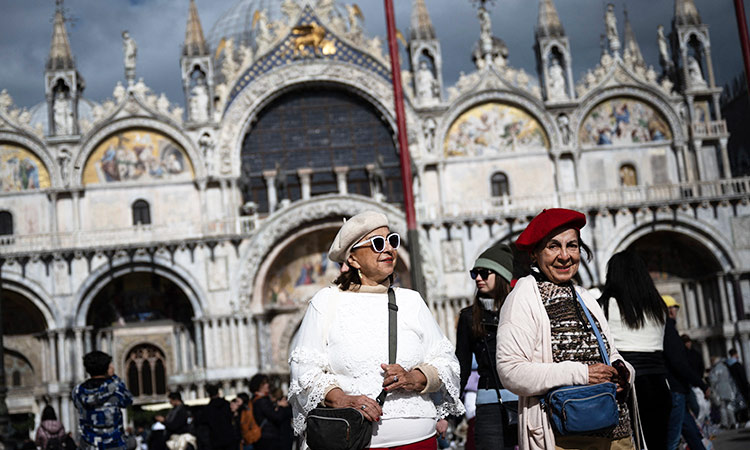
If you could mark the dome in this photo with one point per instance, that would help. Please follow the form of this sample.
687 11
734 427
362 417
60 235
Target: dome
237 22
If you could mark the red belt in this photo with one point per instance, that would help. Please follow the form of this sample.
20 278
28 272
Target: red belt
427 444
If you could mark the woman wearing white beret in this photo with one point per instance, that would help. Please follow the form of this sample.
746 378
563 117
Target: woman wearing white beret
340 355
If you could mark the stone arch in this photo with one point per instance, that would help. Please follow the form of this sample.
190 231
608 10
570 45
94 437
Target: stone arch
38 149
654 99
238 117
320 209
530 107
709 237
97 136
101 277
36 294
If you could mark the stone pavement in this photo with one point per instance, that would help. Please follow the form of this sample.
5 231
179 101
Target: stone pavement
733 440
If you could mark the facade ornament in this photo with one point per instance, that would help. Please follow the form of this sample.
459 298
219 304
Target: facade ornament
563 122
63 115
207 146
556 84
611 24
325 9
119 92
485 34
198 103
695 73
664 59
263 31
64 159
429 134
129 50
291 9
228 65
355 27
427 87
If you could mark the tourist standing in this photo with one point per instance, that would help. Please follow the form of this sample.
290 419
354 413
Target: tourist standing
51 433
216 421
269 416
99 401
636 315
496 407
544 340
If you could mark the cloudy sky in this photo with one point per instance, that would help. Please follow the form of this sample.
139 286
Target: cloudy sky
158 26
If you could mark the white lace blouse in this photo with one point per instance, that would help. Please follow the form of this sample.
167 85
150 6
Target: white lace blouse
357 344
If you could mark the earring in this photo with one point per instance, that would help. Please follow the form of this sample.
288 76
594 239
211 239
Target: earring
359 272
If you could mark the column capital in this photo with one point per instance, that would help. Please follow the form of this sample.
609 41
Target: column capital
341 169
270 174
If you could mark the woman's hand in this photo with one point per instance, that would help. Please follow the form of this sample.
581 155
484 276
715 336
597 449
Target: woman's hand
441 427
395 377
362 403
601 373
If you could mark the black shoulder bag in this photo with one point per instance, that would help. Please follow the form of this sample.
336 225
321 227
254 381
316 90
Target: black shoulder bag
346 428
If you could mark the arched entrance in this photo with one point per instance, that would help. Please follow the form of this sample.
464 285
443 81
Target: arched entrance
23 324
684 268
145 321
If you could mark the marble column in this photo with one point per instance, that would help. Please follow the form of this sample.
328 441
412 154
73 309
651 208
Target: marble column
691 306
701 304
341 172
235 358
727 310
305 180
244 342
62 355
199 354
270 177
46 359
65 416
78 361
177 350
87 340
727 172
184 353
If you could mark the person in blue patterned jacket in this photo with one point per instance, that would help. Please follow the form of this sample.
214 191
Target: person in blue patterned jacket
99 400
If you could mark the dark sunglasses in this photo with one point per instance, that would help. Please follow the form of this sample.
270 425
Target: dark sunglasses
484 273
378 242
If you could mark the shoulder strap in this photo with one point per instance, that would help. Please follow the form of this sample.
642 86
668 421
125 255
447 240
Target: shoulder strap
602 350
392 336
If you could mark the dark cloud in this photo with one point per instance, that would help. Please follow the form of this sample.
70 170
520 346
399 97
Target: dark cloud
158 26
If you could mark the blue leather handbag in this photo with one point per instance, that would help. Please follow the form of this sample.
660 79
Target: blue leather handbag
583 409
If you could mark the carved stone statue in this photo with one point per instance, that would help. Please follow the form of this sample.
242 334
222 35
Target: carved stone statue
664 59
228 65
564 124
556 84
485 32
63 115
429 134
207 146
695 73
611 23
64 160
129 50
425 83
198 103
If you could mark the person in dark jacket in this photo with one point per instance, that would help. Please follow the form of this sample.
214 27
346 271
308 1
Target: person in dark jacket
99 401
680 377
269 416
177 420
737 370
216 418
475 335
51 433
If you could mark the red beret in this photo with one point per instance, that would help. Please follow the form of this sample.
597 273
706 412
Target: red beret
546 222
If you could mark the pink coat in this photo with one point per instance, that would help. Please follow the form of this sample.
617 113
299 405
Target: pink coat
47 430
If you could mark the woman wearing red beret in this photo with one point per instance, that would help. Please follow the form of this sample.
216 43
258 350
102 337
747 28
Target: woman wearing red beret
544 340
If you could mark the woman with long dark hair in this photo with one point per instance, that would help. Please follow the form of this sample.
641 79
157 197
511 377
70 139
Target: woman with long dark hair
51 433
475 336
636 314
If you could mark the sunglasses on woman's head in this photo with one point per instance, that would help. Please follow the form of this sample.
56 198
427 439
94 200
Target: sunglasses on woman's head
378 242
484 273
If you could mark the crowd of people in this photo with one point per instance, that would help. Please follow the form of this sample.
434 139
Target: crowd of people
531 337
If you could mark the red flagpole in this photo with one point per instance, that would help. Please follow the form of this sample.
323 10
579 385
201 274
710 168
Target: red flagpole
405 159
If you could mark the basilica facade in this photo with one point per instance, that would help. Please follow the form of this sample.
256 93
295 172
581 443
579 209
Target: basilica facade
186 242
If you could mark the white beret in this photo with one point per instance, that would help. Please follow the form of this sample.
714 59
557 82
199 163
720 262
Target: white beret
352 232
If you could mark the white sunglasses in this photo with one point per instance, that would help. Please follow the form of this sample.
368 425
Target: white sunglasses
378 242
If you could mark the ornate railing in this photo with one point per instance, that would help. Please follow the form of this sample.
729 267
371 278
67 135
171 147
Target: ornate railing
624 197
137 235
712 129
